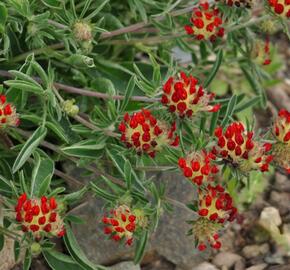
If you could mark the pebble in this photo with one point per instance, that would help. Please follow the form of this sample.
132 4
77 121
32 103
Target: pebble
252 251
205 266
261 266
226 259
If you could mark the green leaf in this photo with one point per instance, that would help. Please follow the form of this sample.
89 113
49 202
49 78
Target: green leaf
140 247
59 261
2 240
27 260
87 148
129 91
214 69
230 110
128 174
42 173
256 86
3 16
29 147
24 86
76 252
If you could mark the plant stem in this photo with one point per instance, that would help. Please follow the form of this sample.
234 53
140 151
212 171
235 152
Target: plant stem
86 92
23 56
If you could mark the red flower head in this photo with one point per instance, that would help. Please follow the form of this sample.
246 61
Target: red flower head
39 216
261 52
215 211
280 7
145 133
238 146
184 96
8 115
206 23
198 167
281 149
121 225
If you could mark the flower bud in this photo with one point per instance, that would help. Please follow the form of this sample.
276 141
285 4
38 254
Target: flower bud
35 249
268 26
82 31
143 132
8 115
198 167
185 97
206 23
40 216
215 210
281 131
121 224
69 107
261 52
238 147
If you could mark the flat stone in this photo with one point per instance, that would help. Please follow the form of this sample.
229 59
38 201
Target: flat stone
280 200
169 241
205 266
261 266
226 259
125 266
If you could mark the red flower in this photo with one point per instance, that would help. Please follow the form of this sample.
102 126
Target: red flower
145 133
281 149
185 97
215 211
261 52
280 7
198 167
39 216
236 145
8 115
206 23
121 225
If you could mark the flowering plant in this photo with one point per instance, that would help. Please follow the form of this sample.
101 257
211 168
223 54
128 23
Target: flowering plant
100 86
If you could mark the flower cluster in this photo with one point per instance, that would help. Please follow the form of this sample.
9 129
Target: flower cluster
237 146
280 7
39 216
8 115
206 23
198 167
184 96
238 3
281 149
261 52
145 133
215 210
121 224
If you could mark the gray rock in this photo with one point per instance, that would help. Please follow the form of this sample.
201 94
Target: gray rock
261 266
226 259
125 266
205 266
169 241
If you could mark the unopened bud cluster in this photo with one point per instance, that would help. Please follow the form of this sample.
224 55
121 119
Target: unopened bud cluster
215 209
39 216
239 147
143 132
121 224
8 115
198 167
185 97
281 149
205 23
